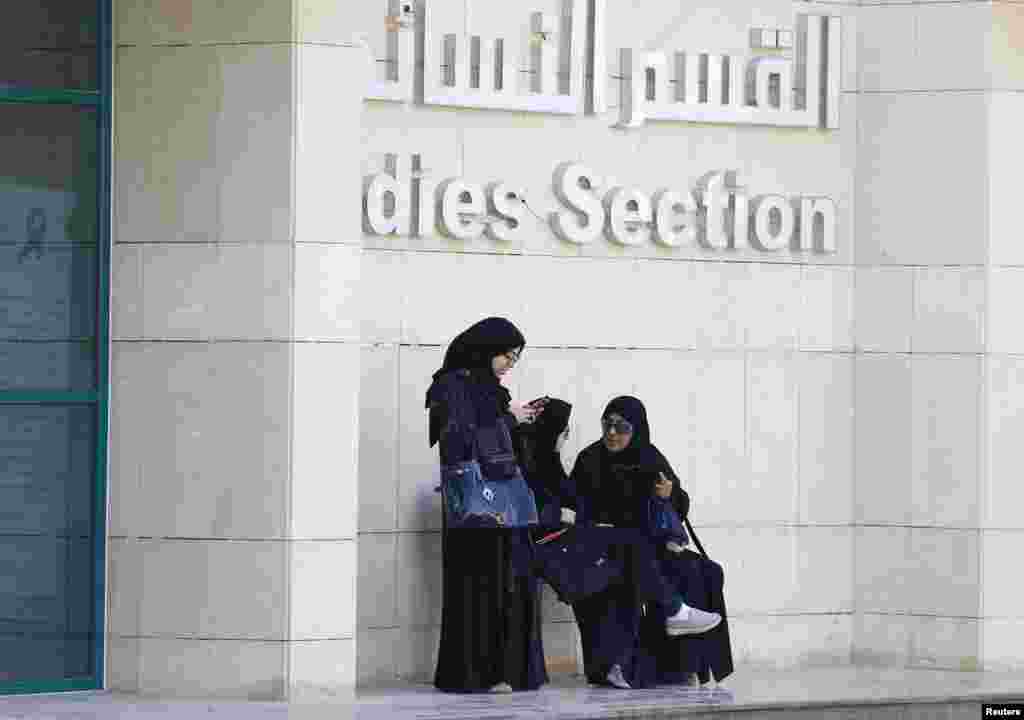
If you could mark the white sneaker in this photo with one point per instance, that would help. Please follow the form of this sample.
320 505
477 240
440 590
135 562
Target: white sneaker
691 621
615 677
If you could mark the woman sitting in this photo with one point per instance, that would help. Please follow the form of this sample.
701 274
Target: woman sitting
621 480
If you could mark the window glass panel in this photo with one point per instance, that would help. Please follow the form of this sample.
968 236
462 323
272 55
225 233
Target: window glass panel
47 461
49 44
48 247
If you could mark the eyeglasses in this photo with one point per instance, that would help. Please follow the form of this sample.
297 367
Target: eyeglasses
620 426
512 356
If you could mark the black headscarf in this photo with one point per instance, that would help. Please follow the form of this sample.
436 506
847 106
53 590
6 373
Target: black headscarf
642 453
537 440
550 424
472 351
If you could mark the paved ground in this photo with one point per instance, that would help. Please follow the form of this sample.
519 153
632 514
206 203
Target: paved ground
816 692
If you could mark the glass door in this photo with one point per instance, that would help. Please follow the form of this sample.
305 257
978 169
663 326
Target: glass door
54 260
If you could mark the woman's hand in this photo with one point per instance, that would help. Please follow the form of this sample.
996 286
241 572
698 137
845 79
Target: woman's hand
663 488
524 413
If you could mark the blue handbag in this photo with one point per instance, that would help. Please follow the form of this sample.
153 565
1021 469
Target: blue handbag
664 521
488 491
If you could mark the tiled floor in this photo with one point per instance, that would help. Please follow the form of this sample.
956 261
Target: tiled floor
840 692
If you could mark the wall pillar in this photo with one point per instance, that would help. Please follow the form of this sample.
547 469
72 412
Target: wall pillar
235 371
936 399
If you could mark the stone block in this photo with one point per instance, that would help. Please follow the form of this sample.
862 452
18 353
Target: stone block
883 439
200 439
718 442
1001 643
205 589
418 579
327 123
376 584
791 642
1005 111
1000 593
378 437
124 589
886 50
221 171
324 576
327 280
883 309
947 424
949 310
945 573
1005 293
180 22
826 319
212 668
884 565
1002 489
381 296
324 440
184 296
126 296
953 46
896 220
416 654
1007 67
772 410
944 643
322 671
377 655
826 438
719 290
419 507
881 639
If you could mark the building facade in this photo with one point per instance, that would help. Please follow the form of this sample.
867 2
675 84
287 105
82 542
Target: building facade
786 226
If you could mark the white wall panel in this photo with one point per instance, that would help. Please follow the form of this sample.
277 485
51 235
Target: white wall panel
882 439
945 417
826 437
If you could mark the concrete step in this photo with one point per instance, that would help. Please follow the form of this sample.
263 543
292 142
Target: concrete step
833 693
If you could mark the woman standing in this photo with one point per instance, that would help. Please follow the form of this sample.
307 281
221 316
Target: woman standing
490 622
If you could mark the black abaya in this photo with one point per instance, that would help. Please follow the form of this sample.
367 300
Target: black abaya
490 620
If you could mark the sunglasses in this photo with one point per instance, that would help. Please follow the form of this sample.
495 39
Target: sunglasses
621 427
512 356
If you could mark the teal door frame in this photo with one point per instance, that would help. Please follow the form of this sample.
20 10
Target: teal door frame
99 398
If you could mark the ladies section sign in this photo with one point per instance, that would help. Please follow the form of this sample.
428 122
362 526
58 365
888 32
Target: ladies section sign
716 214
790 77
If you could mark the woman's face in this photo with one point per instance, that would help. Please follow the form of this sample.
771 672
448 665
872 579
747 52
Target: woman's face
617 432
501 364
561 440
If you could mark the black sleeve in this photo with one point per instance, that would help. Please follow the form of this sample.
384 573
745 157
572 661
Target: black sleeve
578 488
561 485
680 498
452 415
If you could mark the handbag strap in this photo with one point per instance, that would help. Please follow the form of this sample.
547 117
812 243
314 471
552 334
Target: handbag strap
696 540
